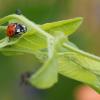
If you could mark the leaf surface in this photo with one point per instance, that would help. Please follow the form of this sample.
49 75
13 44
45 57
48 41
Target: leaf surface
80 66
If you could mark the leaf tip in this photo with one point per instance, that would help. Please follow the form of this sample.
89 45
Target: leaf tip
80 19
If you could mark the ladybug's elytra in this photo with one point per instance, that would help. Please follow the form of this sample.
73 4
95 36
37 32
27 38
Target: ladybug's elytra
15 29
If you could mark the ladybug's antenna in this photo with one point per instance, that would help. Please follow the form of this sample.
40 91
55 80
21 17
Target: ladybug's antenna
18 12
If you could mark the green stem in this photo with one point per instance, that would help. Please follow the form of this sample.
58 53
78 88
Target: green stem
17 50
81 52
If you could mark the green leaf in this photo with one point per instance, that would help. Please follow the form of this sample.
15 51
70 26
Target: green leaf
65 26
80 66
46 76
70 68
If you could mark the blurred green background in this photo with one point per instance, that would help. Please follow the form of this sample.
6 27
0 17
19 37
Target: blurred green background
41 11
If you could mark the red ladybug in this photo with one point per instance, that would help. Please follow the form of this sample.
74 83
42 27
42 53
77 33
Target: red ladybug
15 29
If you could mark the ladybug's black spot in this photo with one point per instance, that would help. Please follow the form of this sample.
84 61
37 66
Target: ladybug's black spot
20 29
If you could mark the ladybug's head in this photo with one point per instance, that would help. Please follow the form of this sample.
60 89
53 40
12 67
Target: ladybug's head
20 29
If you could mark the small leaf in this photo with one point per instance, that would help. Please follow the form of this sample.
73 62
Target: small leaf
64 26
46 76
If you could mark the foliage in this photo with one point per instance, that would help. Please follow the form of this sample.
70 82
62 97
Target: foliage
49 43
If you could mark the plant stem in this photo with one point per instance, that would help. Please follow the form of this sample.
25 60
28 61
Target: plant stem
81 52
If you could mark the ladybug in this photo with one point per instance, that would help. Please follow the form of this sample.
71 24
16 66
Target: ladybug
15 29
